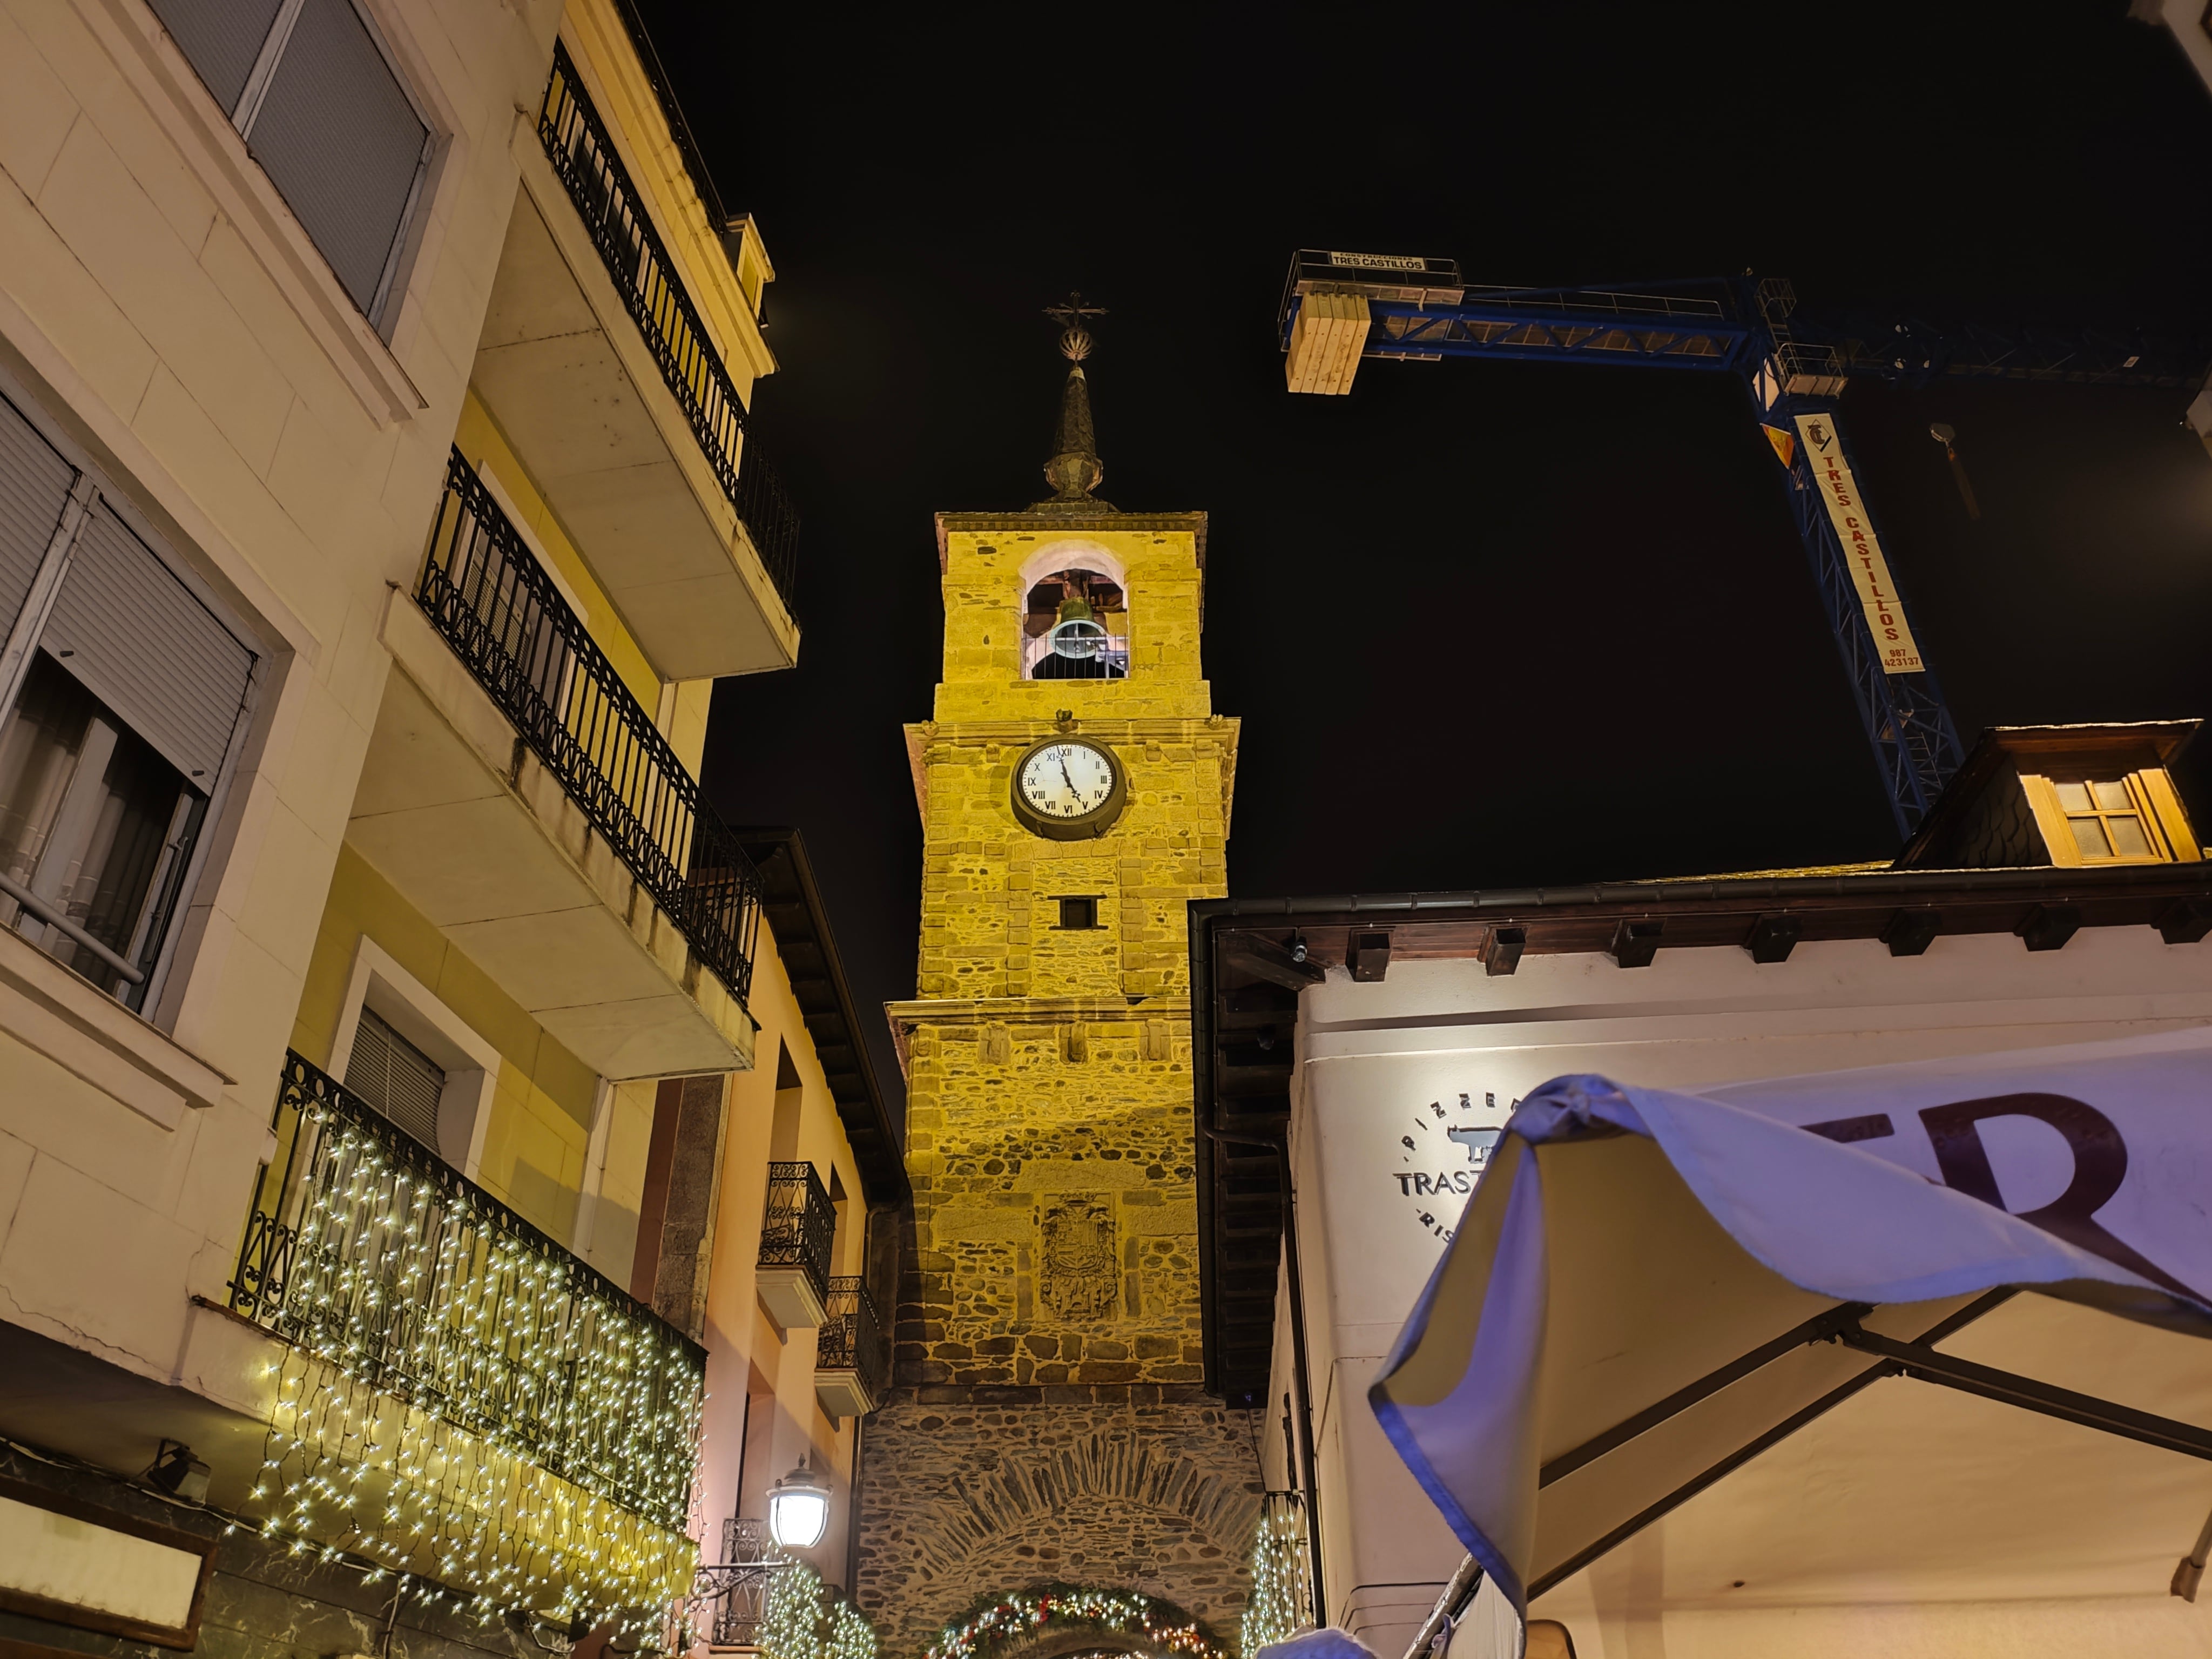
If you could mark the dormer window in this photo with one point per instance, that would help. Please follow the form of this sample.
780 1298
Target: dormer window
2073 796
2108 824
1075 626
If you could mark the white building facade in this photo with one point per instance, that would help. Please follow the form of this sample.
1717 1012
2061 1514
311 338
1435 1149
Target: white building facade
1388 1040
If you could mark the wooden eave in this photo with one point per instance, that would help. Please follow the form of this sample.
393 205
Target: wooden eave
808 949
1243 1017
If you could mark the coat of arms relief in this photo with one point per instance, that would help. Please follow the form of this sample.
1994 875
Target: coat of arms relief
1080 1278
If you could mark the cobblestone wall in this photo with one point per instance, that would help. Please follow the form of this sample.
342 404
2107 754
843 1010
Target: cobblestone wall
1152 1489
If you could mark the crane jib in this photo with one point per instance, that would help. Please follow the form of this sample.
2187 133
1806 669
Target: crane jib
1339 308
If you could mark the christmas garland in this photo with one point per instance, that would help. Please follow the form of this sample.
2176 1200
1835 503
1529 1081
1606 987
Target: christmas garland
998 1620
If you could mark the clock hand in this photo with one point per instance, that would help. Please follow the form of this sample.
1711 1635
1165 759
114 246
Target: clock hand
1066 778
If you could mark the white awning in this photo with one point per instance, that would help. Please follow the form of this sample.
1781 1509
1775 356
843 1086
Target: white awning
1648 1289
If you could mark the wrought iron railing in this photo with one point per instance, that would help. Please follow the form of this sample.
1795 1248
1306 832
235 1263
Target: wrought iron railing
500 611
852 1336
614 214
801 1225
365 1248
739 1615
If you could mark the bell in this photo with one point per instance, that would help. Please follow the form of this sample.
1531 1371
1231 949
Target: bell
1076 608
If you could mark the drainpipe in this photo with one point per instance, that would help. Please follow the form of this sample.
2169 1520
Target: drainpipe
1300 1380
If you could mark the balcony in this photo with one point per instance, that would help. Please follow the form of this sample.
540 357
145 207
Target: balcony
852 1358
518 796
797 1231
599 368
461 1399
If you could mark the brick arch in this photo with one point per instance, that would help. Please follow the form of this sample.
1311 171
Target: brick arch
1097 1470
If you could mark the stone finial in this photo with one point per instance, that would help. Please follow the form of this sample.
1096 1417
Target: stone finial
1074 470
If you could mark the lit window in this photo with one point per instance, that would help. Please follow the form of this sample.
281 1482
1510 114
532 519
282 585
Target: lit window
2108 823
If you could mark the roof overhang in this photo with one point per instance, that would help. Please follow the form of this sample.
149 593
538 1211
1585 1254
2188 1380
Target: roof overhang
808 949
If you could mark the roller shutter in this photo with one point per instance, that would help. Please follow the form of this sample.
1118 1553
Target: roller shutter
394 1076
138 640
34 487
220 40
340 139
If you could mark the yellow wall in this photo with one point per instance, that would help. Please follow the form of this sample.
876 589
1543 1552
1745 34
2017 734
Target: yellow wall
485 446
741 1337
541 1112
983 604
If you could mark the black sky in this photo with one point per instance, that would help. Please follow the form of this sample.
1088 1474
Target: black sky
1487 624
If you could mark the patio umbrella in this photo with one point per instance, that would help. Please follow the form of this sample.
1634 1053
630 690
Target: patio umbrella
1647 1288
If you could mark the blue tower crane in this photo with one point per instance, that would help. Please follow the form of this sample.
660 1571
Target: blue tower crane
1339 307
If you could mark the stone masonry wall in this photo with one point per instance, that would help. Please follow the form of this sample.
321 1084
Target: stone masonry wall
1055 1224
1049 1422
1149 1489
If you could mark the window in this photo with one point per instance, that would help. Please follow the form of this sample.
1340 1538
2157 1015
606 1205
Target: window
1075 626
1078 912
414 1059
120 695
2133 818
394 1076
2108 822
309 86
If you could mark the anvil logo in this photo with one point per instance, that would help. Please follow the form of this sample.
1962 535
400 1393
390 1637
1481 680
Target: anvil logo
1440 1171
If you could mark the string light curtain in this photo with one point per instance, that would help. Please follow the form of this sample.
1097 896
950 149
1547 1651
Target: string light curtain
1282 1596
805 1619
465 1401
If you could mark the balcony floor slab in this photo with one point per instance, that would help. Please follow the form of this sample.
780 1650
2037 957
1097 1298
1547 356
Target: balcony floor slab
479 836
566 373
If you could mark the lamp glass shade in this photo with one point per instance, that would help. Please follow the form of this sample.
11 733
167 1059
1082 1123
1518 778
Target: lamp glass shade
799 1509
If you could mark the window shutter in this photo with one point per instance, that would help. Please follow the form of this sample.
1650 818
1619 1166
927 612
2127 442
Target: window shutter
35 486
220 40
394 1076
338 135
137 638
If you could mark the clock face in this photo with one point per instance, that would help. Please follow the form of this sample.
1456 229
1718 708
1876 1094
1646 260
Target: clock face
1066 781
1065 789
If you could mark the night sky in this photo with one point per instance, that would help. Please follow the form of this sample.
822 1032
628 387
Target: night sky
1487 624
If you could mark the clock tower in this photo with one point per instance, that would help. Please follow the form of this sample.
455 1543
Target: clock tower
1047 1423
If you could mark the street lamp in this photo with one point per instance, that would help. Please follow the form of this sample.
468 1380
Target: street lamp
798 1508
797 1516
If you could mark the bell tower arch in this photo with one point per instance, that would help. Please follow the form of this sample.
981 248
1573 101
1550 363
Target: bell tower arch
1050 1313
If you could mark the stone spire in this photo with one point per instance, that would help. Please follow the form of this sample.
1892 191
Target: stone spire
1074 470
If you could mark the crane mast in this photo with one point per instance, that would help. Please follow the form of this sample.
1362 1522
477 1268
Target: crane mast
1340 308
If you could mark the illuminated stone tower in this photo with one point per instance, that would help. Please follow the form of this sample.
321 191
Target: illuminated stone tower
1074 788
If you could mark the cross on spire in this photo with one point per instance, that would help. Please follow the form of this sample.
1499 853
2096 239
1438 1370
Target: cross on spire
1074 338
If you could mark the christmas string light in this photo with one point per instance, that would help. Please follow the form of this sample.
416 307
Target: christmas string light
1281 1605
1008 1618
805 1619
462 1400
